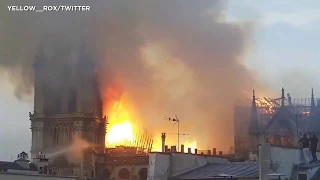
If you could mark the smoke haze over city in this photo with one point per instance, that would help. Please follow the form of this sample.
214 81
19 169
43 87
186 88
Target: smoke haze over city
162 57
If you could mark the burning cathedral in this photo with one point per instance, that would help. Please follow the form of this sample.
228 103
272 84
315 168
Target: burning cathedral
68 124
279 121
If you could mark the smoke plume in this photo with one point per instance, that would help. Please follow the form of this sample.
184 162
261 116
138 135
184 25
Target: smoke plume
167 56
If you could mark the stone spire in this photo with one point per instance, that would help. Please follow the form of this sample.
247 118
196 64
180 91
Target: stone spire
254 129
254 124
282 97
254 104
312 99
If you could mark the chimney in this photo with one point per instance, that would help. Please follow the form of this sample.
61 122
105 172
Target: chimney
214 151
209 152
195 151
173 149
163 137
189 150
264 161
182 148
166 149
220 153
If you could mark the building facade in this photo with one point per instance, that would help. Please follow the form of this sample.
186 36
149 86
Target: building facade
67 111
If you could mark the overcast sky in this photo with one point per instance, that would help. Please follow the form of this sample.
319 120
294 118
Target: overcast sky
286 53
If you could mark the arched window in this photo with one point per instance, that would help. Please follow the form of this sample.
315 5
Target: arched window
124 173
143 174
106 173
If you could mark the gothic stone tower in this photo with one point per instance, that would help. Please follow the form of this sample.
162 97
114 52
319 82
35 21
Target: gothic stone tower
67 108
254 129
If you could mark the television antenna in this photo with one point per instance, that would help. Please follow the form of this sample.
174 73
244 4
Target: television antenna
176 121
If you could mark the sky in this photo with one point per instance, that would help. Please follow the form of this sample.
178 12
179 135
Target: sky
286 51
285 54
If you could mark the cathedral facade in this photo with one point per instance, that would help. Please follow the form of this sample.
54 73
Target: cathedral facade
67 119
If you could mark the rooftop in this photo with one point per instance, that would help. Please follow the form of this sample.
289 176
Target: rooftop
43 175
5 165
213 170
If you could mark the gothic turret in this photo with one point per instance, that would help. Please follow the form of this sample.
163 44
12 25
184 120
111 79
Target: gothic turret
254 129
282 97
313 104
254 125
313 116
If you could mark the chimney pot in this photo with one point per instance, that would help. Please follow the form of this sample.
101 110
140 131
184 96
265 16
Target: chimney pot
214 151
166 149
182 148
220 153
195 151
189 150
163 137
209 152
173 149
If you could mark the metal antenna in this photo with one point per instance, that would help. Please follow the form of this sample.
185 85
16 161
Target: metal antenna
176 120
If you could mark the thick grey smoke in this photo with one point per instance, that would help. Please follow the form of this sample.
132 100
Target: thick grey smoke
167 56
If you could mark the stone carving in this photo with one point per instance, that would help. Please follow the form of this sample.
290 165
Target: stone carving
23 156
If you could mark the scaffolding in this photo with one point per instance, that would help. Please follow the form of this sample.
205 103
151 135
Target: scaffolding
141 145
298 106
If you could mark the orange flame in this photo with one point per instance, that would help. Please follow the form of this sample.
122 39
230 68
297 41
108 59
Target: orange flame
120 130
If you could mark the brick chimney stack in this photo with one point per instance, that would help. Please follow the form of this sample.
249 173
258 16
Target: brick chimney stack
214 151
182 148
173 149
166 149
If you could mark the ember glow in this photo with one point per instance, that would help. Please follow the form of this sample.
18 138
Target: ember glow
266 106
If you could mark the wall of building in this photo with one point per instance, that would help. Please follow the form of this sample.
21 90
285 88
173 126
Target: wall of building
282 160
8 176
164 165
134 170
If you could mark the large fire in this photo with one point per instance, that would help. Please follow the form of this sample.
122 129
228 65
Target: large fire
120 130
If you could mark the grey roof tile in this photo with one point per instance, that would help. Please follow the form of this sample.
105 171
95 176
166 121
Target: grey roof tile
236 169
